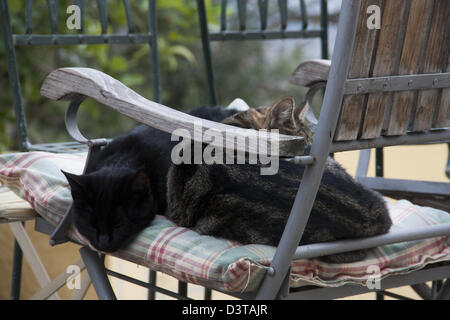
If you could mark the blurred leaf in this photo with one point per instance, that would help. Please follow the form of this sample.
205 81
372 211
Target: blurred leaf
184 52
118 64
133 79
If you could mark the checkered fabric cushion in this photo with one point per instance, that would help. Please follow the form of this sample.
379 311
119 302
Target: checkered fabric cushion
218 263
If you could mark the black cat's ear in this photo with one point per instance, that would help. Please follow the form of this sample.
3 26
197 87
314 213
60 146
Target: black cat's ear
75 182
141 181
281 112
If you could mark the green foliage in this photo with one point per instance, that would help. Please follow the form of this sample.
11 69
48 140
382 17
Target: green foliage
238 67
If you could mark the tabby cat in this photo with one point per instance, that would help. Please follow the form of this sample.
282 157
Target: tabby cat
282 115
235 202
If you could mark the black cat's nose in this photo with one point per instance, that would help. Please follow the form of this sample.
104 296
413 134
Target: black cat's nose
104 242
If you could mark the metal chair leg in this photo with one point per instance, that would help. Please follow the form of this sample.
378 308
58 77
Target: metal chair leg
379 296
152 281
422 290
208 294
447 170
444 291
379 172
30 253
16 277
182 288
96 270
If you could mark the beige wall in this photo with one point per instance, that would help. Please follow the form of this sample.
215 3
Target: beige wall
418 162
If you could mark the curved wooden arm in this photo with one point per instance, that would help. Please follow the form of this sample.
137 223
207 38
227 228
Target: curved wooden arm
67 83
311 72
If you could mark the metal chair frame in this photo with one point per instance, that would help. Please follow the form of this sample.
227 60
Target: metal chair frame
54 38
11 41
262 33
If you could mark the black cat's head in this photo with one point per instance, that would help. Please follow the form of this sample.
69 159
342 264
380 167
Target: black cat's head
111 205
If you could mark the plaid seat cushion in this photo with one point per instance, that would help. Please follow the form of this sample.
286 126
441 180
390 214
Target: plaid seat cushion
213 262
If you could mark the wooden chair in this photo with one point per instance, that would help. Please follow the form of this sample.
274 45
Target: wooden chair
411 46
407 111
382 90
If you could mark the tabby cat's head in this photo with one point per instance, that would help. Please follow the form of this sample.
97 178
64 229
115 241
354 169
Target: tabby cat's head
111 204
282 115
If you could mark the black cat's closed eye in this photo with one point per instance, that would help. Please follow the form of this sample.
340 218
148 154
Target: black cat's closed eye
141 182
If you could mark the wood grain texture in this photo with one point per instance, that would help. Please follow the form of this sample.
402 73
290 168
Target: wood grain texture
61 84
443 112
433 62
413 47
311 72
353 105
443 116
388 48
13 208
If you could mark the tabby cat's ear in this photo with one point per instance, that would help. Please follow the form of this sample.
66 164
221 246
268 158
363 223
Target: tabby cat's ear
141 181
75 182
301 111
282 111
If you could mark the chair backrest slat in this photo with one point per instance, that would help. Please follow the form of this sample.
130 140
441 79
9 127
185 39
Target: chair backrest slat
53 10
223 15
29 16
80 4
283 13
433 62
303 14
102 6
413 40
388 49
263 8
363 54
131 27
411 62
443 113
242 14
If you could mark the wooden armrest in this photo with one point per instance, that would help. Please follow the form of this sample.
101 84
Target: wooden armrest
311 72
65 83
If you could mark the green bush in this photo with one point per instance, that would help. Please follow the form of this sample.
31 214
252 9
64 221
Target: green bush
237 67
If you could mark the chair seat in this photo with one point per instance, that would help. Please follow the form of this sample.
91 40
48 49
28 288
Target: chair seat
14 208
218 263
59 147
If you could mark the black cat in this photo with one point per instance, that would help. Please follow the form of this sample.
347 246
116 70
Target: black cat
127 186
